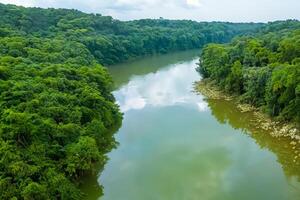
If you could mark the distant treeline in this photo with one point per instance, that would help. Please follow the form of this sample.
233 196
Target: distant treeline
263 69
111 41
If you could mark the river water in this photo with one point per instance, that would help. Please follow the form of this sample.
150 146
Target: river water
176 145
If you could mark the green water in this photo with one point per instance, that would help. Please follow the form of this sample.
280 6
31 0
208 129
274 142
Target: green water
175 145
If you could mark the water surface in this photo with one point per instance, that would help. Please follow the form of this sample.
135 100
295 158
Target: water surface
175 145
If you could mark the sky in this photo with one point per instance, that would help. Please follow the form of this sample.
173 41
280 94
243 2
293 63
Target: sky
199 10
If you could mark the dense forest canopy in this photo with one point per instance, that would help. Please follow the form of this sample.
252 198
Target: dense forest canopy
57 116
57 113
111 41
263 69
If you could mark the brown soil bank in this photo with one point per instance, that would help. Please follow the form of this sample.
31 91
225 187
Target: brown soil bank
261 120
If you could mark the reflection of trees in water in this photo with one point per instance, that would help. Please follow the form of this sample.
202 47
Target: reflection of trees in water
89 183
227 112
121 73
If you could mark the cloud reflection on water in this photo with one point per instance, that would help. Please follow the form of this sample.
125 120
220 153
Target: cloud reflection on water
169 87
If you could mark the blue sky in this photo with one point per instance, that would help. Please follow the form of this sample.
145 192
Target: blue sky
200 10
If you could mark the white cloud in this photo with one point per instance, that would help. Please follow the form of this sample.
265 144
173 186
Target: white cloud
26 3
195 3
200 10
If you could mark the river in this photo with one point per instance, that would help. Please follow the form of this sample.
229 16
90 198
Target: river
176 145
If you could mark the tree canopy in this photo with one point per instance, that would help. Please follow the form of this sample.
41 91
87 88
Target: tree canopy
264 69
57 113
111 41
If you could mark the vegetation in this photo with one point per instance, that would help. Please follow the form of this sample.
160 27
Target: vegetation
57 113
111 41
56 117
264 69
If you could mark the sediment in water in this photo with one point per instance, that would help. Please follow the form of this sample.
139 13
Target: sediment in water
274 127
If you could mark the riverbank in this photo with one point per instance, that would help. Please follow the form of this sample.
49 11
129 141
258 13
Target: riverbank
275 128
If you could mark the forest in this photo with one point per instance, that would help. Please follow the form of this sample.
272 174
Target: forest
262 70
111 41
57 113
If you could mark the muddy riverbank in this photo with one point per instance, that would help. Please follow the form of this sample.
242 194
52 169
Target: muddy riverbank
274 127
